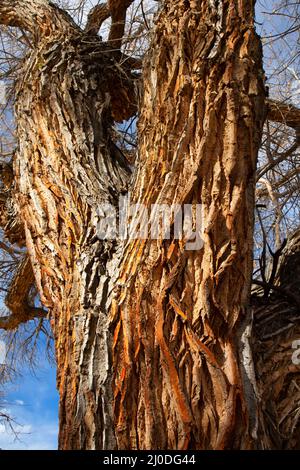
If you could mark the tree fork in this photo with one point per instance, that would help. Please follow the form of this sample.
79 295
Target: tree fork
150 338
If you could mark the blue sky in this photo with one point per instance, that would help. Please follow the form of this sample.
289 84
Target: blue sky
33 401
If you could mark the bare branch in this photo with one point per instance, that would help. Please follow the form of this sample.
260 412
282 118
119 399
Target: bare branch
96 17
9 249
278 160
262 191
284 113
11 322
283 291
118 9
37 16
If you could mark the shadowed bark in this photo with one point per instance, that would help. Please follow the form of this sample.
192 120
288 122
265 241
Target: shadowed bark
179 319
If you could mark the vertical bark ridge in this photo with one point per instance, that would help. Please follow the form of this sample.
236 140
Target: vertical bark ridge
165 369
177 319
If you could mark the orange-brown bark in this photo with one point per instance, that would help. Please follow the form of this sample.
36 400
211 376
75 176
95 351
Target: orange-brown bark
178 319
284 113
276 354
151 339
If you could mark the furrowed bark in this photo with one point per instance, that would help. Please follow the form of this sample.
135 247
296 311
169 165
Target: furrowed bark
17 298
151 339
180 322
36 16
66 166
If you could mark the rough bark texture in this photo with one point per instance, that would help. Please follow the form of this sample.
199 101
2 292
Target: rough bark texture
151 339
180 354
65 167
287 113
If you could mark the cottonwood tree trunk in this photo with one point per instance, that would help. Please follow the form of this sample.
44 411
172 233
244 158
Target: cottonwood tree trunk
178 351
151 338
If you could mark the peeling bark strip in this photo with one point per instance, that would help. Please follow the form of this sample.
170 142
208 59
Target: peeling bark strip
179 319
65 167
159 364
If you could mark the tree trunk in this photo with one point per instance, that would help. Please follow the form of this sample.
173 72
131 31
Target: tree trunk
276 354
180 315
151 338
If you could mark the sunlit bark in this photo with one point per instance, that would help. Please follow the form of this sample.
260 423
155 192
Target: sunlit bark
180 350
277 353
